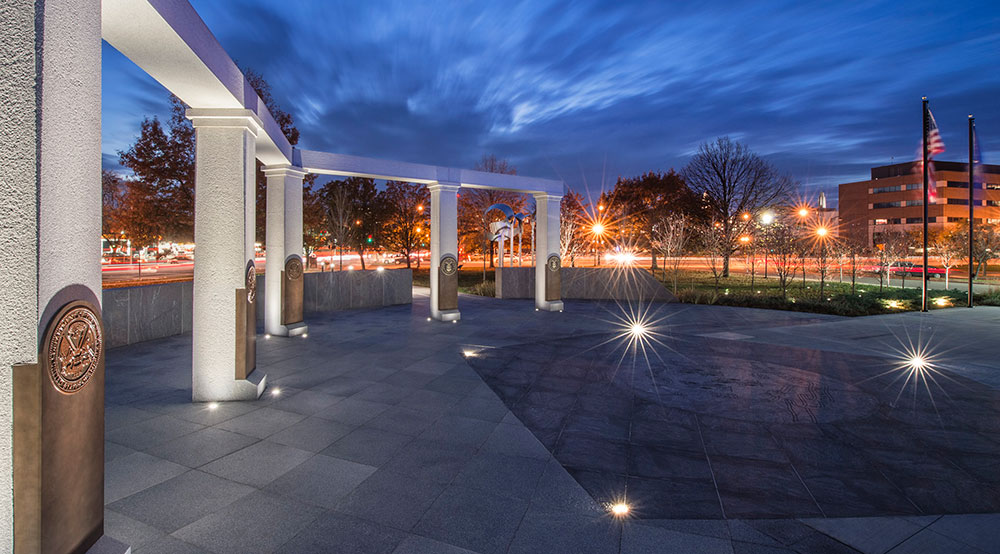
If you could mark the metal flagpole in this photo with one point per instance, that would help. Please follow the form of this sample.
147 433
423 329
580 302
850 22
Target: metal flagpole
972 183
923 299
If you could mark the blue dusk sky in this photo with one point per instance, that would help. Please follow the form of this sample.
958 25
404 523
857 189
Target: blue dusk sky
586 91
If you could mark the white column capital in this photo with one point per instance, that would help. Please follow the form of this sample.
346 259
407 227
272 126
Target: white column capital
284 170
547 196
443 186
225 117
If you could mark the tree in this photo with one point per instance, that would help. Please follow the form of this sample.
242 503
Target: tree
368 207
339 211
572 214
407 217
163 159
140 218
314 228
892 245
783 242
670 237
473 222
734 184
112 193
949 248
985 246
638 203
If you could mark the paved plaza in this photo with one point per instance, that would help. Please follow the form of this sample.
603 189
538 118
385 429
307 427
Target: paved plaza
726 430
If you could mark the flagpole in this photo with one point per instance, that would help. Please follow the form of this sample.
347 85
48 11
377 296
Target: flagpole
923 298
972 184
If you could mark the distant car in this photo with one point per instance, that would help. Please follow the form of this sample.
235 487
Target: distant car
907 269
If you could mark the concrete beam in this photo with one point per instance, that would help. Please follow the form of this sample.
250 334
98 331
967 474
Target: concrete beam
325 163
170 42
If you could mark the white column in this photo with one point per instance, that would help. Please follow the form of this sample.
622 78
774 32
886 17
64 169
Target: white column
225 193
547 245
274 244
444 239
293 211
284 239
50 191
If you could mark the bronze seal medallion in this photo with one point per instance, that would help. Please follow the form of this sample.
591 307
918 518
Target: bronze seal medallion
449 265
73 347
293 268
251 282
553 263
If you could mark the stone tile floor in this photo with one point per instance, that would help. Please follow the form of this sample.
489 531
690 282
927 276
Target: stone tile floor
383 432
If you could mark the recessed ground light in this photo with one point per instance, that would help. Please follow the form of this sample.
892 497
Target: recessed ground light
619 509
213 406
276 392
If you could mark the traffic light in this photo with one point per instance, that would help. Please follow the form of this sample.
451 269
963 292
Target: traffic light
370 239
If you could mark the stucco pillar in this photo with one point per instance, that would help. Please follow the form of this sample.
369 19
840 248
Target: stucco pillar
224 219
444 251
274 245
51 400
548 282
283 242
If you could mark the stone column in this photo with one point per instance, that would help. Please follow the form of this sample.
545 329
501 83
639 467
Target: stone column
51 405
294 253
548 282
444 251
284 249
224 279
274 245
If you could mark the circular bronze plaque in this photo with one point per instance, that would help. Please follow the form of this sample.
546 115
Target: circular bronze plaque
449 265
251 282
293 268
73 347
553 263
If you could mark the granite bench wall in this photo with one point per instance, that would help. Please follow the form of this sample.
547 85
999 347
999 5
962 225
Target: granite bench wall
588 283
333 291
136 314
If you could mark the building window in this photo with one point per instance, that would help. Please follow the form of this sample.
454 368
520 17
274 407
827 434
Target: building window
894 188
881 222
958 184
920 219
883 205
959 201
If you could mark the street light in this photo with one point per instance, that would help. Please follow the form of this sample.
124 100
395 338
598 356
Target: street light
803 212
767 218
598 230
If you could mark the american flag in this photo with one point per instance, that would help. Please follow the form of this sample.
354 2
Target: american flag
934 146
978 177
934 143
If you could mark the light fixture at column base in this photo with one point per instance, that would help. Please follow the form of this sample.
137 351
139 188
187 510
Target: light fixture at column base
550 306
296 329
449 315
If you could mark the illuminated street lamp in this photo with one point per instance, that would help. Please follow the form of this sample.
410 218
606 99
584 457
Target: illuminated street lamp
598 230
803 212
767 218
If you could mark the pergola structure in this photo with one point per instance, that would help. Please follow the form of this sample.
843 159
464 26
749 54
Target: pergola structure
51 404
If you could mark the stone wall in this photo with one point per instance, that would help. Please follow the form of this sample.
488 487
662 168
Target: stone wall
333 291
587 283
136 314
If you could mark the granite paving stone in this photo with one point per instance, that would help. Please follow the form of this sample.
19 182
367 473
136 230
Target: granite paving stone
321 480
367 446
184 499
737 413
258 464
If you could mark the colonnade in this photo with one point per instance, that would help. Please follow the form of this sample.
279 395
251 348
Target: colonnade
53 347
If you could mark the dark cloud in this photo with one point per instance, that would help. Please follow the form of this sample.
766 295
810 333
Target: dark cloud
590 90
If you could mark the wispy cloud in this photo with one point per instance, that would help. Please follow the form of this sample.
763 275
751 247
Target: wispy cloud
589 89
